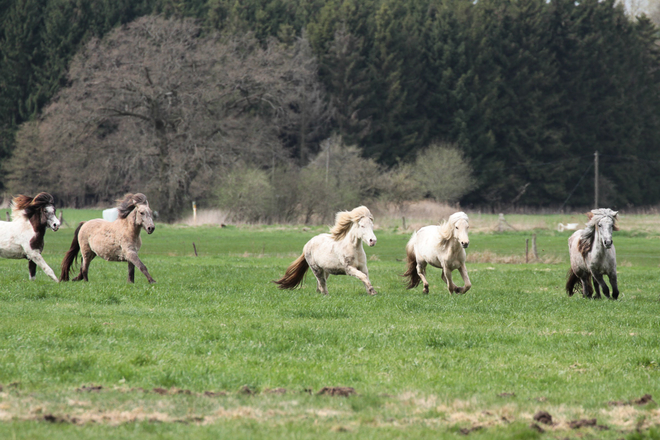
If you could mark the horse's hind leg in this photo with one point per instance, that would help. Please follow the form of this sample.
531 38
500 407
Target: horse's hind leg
587 289
421 271
32 268
321 279
600 281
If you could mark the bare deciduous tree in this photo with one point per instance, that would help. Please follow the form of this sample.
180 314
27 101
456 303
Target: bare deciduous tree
158 108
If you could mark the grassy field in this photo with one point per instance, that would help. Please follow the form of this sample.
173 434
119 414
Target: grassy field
216 350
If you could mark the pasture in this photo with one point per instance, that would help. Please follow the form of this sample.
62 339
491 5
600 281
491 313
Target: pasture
214 349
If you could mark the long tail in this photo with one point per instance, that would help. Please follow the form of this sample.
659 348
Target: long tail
294 274
71 255
573 283
411 261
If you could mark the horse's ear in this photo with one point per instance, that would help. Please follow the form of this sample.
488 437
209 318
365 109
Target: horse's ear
615 214
590 215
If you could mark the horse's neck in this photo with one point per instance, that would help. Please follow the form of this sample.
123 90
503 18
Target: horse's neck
130 226
353 238
597 248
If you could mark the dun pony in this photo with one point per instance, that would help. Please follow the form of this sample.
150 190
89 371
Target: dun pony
593 255
113 241
23 237
338 253
440 246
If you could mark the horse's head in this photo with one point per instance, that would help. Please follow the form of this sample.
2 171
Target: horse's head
460 225
39 210
51 219
605 222
144 217
365 230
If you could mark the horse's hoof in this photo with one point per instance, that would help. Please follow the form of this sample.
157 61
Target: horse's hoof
152 281
373 292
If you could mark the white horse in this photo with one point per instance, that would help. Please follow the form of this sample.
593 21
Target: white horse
442 247
23 237
338 253
593 255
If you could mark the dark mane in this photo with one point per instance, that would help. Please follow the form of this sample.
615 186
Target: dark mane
32 205
129 202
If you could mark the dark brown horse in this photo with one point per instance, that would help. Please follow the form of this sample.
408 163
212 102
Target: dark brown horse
113 241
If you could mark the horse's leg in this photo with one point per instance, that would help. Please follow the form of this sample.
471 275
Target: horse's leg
133 258
321 278
587 289
615 285
354 272
87 258
131 272
421 271
466 280
601 281
32 268
39 261
453 288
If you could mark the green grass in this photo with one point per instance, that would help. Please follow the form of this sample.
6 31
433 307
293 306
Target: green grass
423 366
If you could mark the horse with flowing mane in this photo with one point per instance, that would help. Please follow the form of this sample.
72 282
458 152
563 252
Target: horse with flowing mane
113 241
23 237
440 246
593 255
338 253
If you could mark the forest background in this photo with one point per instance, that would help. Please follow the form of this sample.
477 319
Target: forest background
287 110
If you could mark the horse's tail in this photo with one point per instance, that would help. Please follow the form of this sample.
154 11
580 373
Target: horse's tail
573 282
294 274
71 255
411 261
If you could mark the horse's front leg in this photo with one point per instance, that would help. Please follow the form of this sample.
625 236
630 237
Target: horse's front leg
131 272
132 257
32 268
587 289
615 285
466 280
453 288
37 259
600 281
354 272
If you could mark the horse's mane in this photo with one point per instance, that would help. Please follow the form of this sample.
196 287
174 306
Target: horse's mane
126 205
345 219
589 232
447 227
30 205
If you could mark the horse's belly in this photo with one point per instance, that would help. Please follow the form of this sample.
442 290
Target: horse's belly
107 253
12 252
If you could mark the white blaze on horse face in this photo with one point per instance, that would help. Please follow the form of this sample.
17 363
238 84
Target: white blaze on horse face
461 232
605 226
366 231
51 218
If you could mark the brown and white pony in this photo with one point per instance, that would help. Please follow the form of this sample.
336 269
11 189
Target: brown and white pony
338 253
113 241
23 237
440 246
593 255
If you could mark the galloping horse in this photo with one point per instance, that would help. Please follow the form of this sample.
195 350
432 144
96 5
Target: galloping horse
338 253
593 255
442 247
113 241
23 237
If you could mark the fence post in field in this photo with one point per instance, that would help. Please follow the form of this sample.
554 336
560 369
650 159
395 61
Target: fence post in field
500 223
194 213
527 250
7 214
404 223
534 251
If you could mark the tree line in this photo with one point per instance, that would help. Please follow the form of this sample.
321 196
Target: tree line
523 90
